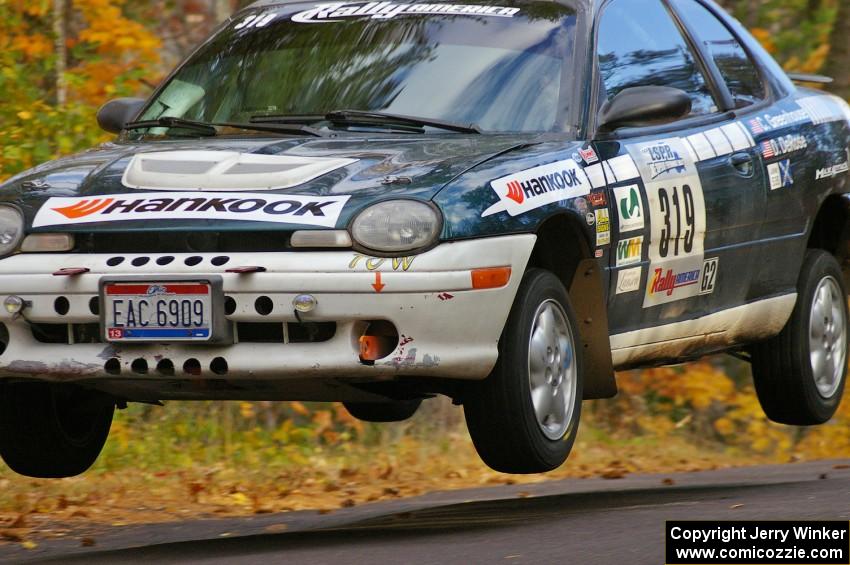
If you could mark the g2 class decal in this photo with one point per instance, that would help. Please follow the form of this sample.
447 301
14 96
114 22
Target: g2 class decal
530 189
709 275
329 12
677 220
290 208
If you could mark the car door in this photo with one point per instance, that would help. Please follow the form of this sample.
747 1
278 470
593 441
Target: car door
688 197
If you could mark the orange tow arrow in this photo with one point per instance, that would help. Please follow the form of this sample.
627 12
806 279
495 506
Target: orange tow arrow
378 286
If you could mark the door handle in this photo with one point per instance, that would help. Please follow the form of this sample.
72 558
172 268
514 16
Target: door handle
743 163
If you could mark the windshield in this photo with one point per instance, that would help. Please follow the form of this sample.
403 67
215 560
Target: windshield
500 68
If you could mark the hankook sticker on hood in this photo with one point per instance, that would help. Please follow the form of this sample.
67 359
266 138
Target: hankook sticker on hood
286 209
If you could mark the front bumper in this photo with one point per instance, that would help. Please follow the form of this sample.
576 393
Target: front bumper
449 329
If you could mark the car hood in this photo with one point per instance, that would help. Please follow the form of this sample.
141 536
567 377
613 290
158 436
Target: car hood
351 172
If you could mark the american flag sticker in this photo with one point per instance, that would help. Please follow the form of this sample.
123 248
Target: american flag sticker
768 150
756 126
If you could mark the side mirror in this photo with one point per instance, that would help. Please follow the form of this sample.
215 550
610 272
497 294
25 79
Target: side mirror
644 105
115 114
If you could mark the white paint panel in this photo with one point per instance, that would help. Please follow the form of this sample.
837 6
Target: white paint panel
595 176
736 136
224 170
702 147
757 320
624 168
719 142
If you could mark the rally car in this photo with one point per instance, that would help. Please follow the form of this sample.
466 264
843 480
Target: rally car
374 203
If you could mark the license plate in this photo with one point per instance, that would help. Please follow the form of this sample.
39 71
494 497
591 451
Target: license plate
158 311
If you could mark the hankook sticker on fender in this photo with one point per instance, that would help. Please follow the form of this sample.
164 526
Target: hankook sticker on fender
677 220
530 189
289 209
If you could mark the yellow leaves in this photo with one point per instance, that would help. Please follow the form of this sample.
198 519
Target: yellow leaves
246 410
24 115
765 38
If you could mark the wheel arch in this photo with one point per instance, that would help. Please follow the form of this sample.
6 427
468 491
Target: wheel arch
563 248
831 231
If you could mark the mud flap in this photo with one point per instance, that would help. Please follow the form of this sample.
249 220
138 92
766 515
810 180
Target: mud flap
588 300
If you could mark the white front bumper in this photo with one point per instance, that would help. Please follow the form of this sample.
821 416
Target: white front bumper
450 329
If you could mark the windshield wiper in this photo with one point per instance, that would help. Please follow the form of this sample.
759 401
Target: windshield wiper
210 129
169 122
361 117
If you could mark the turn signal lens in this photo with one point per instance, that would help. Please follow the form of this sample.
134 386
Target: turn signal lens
48 243
496 277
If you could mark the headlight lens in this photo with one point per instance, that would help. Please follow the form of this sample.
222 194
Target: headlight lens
11 229
396 225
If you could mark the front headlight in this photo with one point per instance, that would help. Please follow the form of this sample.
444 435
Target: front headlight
11 229
396 226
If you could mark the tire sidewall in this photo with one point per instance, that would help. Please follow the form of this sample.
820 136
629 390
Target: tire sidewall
820 265
539 286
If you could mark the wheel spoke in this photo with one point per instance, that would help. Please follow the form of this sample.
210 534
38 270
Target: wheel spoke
559 407
542 398
537 356
818 357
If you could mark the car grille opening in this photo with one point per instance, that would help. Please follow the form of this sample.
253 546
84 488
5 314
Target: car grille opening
183 242
249 332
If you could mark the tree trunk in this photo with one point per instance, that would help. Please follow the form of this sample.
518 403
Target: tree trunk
223 9
60 35
838 65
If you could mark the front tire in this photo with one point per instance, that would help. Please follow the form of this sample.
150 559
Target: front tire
799 375
52 430
523 418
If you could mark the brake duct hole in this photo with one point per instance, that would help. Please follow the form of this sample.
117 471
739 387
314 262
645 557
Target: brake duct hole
139 366
192 367
219 366
112 366
61 305
264 305
378 341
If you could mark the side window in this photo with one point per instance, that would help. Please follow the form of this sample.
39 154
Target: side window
738 70
640 45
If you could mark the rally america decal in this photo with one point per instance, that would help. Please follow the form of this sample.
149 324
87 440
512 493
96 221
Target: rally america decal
530 189
332 11
677 220
289 209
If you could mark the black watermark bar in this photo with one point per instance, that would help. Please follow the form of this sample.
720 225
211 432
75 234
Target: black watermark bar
757 543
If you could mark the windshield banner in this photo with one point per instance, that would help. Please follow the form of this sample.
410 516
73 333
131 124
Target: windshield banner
386 10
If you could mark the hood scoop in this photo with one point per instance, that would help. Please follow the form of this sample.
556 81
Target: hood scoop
224 170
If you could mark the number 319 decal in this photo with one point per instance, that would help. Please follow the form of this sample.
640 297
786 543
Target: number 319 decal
679 221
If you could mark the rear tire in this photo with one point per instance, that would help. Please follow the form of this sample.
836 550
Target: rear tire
383 411
52 430
523 418
799 375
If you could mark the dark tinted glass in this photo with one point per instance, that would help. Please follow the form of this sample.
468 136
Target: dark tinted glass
737 68
498 66
640 45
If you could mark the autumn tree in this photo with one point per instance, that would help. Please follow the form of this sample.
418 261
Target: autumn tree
59 60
